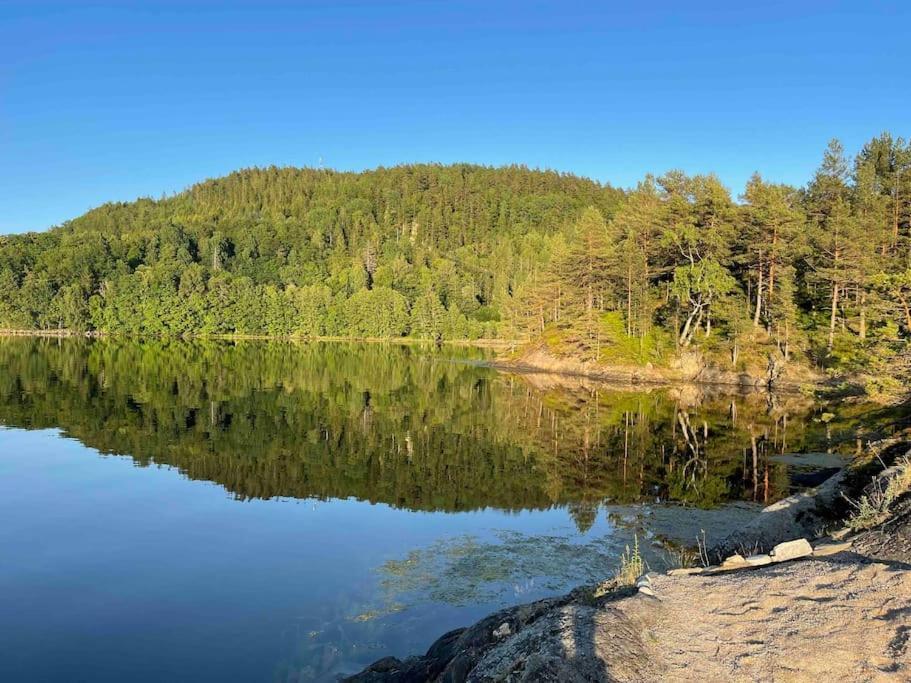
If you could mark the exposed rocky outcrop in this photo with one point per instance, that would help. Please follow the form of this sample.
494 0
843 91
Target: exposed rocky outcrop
456 653
803 515
686 368
839 616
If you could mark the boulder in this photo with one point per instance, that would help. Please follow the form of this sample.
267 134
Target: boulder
502 630
791 550
733 561
802 514
758 560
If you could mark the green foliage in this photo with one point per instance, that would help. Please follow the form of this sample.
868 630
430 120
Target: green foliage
462 252
428 317
380 312
632 566
620 348
874 507
285 251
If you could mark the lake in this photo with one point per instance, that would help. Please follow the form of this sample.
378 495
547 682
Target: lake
266 511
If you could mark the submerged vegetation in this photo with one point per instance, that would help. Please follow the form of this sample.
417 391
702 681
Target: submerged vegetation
817 275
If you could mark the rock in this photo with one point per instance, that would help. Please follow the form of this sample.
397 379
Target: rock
644 580
385 665
758 560
445 647
646 590
791 550
736 560
799 515
686 571
840 534
570 644
502 630
824 549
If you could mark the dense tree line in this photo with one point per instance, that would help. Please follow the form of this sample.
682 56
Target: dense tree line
821 272
428 251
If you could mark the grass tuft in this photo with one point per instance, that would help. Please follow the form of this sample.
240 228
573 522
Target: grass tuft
632 565
873 508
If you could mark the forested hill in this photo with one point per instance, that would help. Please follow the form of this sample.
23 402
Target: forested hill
426 250
820 273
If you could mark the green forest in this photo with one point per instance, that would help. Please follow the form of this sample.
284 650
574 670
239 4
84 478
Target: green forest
819 274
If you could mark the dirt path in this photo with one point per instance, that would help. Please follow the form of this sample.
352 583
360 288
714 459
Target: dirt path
836 618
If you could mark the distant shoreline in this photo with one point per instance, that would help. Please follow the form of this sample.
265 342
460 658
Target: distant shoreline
627 376
96 334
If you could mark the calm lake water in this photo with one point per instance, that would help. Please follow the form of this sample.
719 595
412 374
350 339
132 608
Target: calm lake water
288 512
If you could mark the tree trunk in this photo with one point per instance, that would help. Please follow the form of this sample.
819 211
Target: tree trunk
771 287
895 209
758 295
787 341
907 309
629 300
693 320
833 315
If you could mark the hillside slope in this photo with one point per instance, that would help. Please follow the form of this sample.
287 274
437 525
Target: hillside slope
422 249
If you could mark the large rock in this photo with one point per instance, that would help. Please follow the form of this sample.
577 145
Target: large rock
758 560
453 655
798 516
791 550
573 644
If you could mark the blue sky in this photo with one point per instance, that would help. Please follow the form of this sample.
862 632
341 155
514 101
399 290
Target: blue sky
111 101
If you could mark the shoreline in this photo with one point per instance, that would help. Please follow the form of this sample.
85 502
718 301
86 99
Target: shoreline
402 341
618 375
833 607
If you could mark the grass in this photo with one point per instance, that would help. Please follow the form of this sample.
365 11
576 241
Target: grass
632 565
681 557
873 508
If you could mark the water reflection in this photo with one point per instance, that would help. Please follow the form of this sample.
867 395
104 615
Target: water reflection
311 589
415 428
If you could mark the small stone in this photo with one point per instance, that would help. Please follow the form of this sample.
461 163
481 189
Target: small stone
686 571
646 591
733 561
824 549
644 580
502 630
840 534
791 550
758 560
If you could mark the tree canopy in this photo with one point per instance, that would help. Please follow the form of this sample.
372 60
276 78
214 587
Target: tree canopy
463 252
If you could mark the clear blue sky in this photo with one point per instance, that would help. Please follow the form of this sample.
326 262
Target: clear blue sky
113 100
